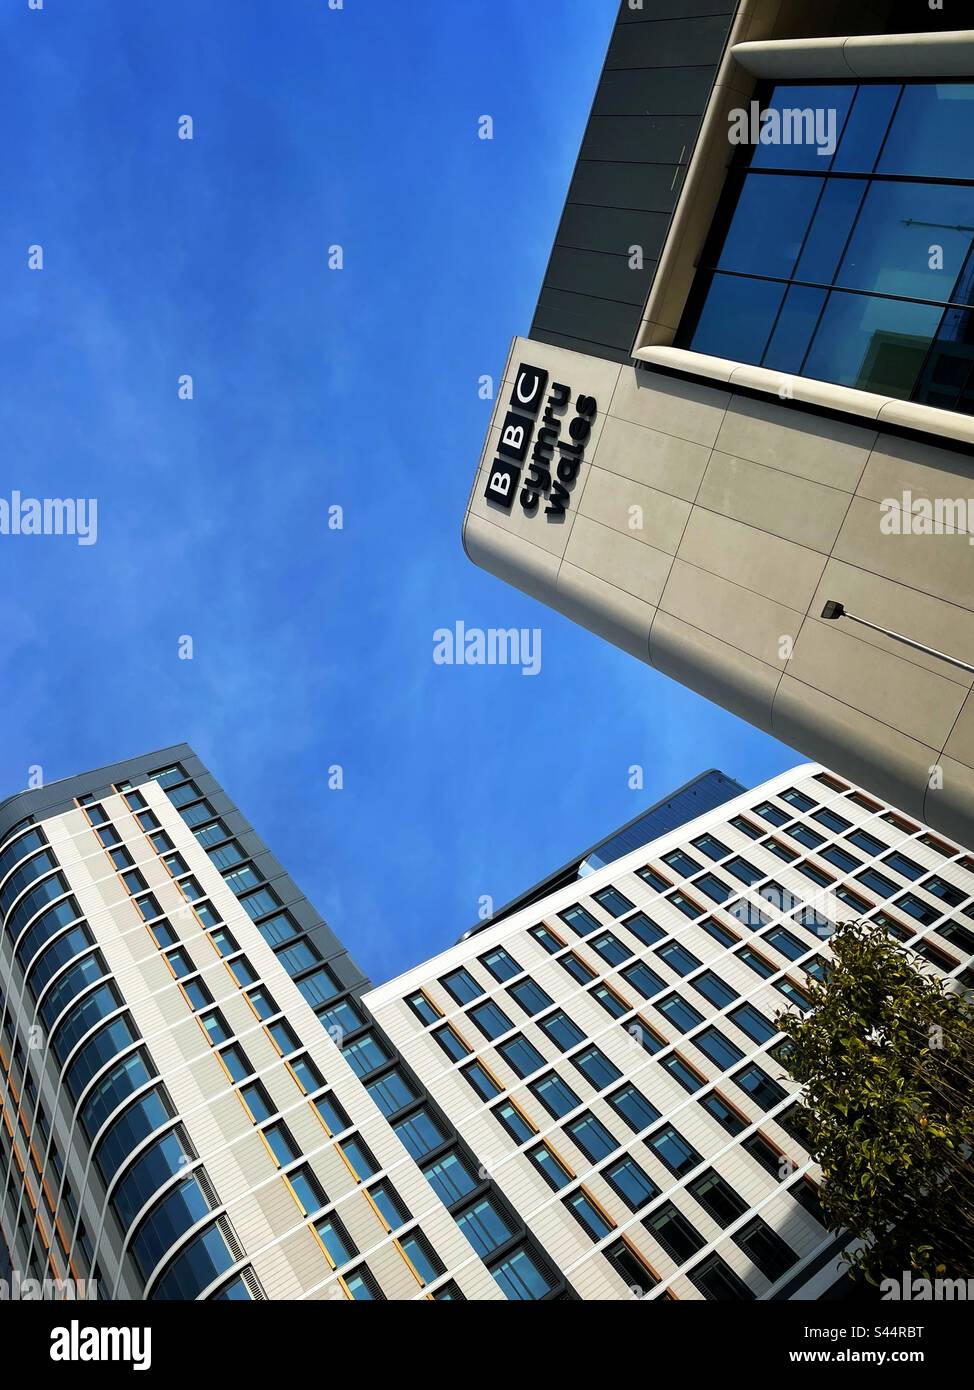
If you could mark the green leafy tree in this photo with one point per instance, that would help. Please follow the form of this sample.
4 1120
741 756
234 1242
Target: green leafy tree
886 1055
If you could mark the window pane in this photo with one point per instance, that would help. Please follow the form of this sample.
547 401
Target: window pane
391 1092
765 1248
490 1019
462 986
596 1068
530 996
678 958
646 981
592 1137
555 1095
450 1178
588 1215
521 1277
643 929
485 1226
562 1031
546 1163
822 113
872 344
737 318
713 988
674 1232
336 1240
421 1256
931 132
580 920
420 1133
501 964
834 216
634 1108
716 1280
674 1151
681 1014
752 1022
521 1056
632 1184
719 1049
613 901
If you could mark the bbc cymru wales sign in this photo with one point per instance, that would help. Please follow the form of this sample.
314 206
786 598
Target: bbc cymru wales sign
554 460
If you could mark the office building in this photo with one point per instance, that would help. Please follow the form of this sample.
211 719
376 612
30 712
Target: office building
611 1055
737 439
202 1098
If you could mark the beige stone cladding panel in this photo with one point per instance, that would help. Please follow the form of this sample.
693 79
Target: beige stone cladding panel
682 409
630 565
713 668
831 657
637 512
774 501
305 1261
941 565
548 534
922 468
393 1274
798 442
232 1150
960 743
947 627
893 765
561 1235
267 1215
528 567
605 609
750 622
784 1215
947 803
653 458
277 1274
756 561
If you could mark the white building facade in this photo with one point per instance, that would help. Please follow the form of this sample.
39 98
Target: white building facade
611 1053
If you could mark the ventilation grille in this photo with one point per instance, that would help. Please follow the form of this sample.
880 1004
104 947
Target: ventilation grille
209 1191
254 1286
230 1236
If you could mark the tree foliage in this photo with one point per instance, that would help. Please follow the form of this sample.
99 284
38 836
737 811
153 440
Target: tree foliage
886 1055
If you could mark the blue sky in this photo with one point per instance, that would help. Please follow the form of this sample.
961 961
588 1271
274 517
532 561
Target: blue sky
312 388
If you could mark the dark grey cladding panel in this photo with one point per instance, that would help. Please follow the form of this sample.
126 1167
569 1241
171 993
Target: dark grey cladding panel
674 91
640 187
656 139
681 42
59 797
612 230
661 63
601 276
611 354
584 318
648 11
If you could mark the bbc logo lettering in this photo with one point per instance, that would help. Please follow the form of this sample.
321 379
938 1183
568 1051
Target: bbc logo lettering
515 437
527 396
529 388
502 483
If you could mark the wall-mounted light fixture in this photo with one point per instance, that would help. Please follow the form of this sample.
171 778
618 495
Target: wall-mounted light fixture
834 610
